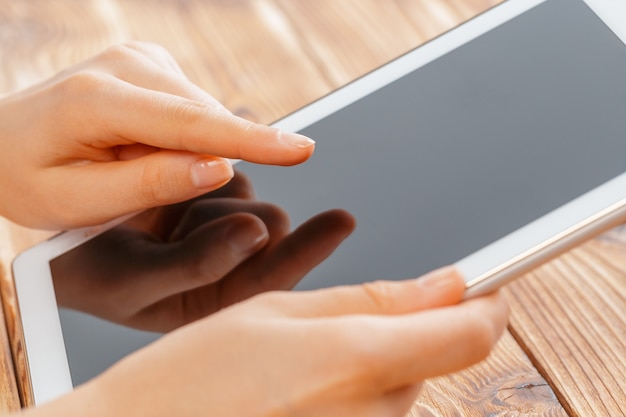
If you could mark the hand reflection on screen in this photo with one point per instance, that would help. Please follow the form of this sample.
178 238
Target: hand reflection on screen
172 265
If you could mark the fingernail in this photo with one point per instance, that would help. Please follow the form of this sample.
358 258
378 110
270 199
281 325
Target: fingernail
207 173
244 237
440 278
295 139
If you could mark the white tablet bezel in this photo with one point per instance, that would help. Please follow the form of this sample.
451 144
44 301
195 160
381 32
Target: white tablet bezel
499 262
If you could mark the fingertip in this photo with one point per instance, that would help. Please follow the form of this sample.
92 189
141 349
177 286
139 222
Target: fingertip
296 140
246 233
345 217
269 145
233 136
215 248
447 283
494 305
288 149
237 234
210 173
337 221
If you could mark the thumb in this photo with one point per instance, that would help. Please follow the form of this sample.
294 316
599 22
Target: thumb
157 179
442 287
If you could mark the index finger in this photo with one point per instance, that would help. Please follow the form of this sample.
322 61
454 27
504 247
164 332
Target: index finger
169 121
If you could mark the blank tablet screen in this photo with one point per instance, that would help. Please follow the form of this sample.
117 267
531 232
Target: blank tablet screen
466 149
448 158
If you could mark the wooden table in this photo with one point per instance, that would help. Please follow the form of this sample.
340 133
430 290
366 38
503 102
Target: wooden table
564 352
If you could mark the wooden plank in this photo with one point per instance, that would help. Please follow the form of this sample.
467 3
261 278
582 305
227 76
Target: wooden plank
244 53
347 38
505 384
263 59
38 37
9 395
432 18
570 316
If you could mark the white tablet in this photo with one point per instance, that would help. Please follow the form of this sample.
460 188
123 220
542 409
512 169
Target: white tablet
494 147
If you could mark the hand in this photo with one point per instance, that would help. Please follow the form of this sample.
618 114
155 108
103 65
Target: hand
176 264
347 351
120 133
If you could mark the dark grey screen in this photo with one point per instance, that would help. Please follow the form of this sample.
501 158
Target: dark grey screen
467 148
446 159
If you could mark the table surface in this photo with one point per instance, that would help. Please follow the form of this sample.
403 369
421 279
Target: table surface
564 352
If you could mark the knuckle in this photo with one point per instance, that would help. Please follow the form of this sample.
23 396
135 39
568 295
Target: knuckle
83 83
155 186
250 135
148 49
155 53
133 52
119 52
184 112
379 294
274 215
78 92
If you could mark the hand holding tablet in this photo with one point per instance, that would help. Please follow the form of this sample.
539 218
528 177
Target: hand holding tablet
503 146
332 352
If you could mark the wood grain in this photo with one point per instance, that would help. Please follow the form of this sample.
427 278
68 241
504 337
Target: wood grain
8 384
505 384
570 316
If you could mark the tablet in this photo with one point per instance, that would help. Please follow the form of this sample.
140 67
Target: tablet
494 147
